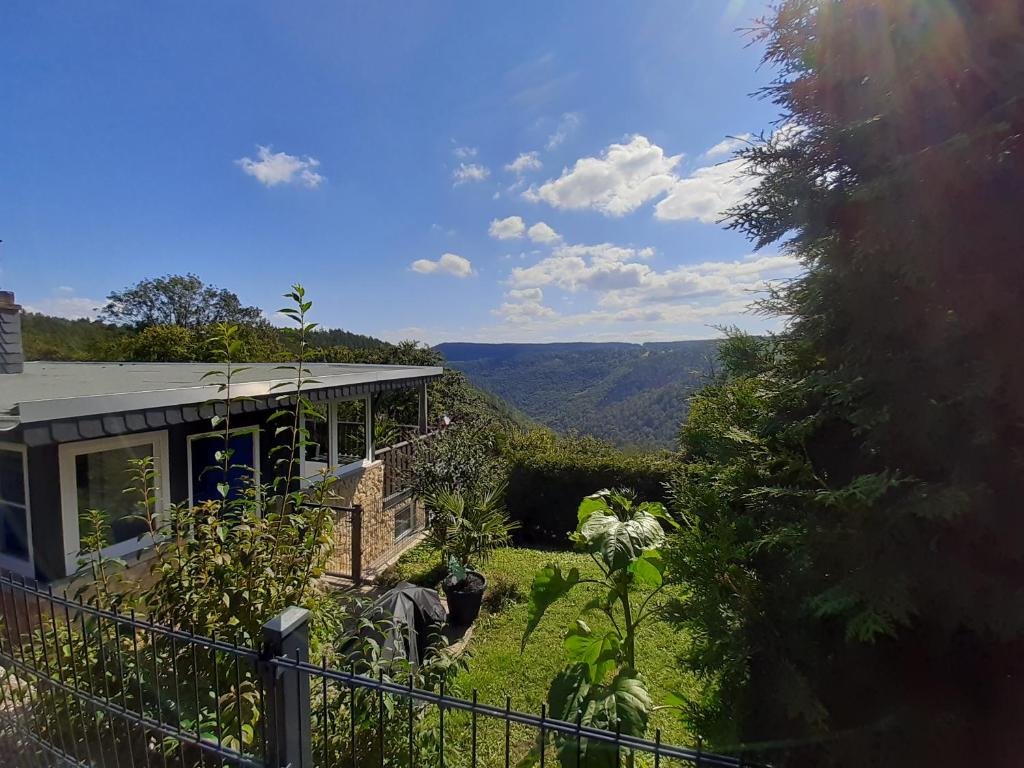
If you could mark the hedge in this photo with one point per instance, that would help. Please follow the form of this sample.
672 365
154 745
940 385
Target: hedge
548 476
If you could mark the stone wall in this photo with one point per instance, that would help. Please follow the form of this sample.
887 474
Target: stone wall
363 487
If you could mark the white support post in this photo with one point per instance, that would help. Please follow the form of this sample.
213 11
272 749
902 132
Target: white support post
371 449
332 435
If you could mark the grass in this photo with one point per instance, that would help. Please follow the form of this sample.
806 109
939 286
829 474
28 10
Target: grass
497 669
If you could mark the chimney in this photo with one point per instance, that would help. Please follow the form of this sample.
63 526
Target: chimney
12 355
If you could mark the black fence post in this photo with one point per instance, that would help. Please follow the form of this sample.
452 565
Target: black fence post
289 740
357 544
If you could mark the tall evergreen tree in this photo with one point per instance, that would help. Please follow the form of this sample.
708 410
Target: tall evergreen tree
863 473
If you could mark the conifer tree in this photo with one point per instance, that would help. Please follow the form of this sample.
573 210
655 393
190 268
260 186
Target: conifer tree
869 461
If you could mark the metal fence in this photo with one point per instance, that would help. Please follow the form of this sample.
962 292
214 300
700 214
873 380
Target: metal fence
88 687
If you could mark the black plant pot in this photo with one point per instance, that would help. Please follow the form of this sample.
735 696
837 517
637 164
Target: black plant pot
464 599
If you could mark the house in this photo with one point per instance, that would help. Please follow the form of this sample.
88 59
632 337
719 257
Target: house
69 430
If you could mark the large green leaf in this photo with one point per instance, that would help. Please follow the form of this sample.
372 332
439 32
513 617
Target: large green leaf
622 704
649 568
657 509
549 584
620 542
600 652
595 502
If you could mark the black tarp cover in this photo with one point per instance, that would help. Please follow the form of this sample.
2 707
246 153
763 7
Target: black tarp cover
416 613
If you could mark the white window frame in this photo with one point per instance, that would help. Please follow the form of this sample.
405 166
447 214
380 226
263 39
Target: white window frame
254 430
9 562
309 470
67 452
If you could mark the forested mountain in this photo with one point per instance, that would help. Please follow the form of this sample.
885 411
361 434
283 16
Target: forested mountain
631 394
335 337
57 338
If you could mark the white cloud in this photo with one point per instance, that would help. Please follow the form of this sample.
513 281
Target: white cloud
586 267
567 125
467 172
623 298
621 278
448 263
464 153
626 176
524 306
508 228
543 233
728 145
707 193
273 168
527 161
526 294
622 179
66 304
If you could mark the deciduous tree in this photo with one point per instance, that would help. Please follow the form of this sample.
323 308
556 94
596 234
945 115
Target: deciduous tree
182 300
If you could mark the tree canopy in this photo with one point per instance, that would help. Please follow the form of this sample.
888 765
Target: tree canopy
853 536
180 300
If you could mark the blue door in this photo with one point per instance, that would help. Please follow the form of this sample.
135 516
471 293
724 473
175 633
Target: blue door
208 470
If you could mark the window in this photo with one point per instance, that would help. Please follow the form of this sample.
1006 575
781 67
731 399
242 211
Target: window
351 425
318 436
205 470
338 438
94 475
404 518
14 523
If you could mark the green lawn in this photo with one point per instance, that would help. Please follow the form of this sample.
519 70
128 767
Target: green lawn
497 668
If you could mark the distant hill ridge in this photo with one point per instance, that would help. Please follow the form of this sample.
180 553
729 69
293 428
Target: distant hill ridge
631 394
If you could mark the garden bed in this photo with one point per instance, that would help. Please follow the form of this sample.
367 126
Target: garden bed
497 669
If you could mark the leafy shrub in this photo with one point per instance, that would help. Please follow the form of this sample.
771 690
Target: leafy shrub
465 457
548 475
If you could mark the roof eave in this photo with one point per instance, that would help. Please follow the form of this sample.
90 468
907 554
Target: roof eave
56 409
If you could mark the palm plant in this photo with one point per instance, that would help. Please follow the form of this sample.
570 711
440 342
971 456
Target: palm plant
466 527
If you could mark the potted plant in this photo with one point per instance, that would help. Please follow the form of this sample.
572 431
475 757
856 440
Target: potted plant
464 590
467 527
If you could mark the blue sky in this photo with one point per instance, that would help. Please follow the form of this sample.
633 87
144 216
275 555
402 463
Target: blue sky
525 171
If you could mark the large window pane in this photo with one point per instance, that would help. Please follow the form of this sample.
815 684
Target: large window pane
12 476
13 530
13 512
101 479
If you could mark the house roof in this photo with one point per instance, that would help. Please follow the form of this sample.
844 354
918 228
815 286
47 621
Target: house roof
47 392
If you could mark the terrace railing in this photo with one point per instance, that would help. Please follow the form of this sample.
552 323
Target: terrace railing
83 686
